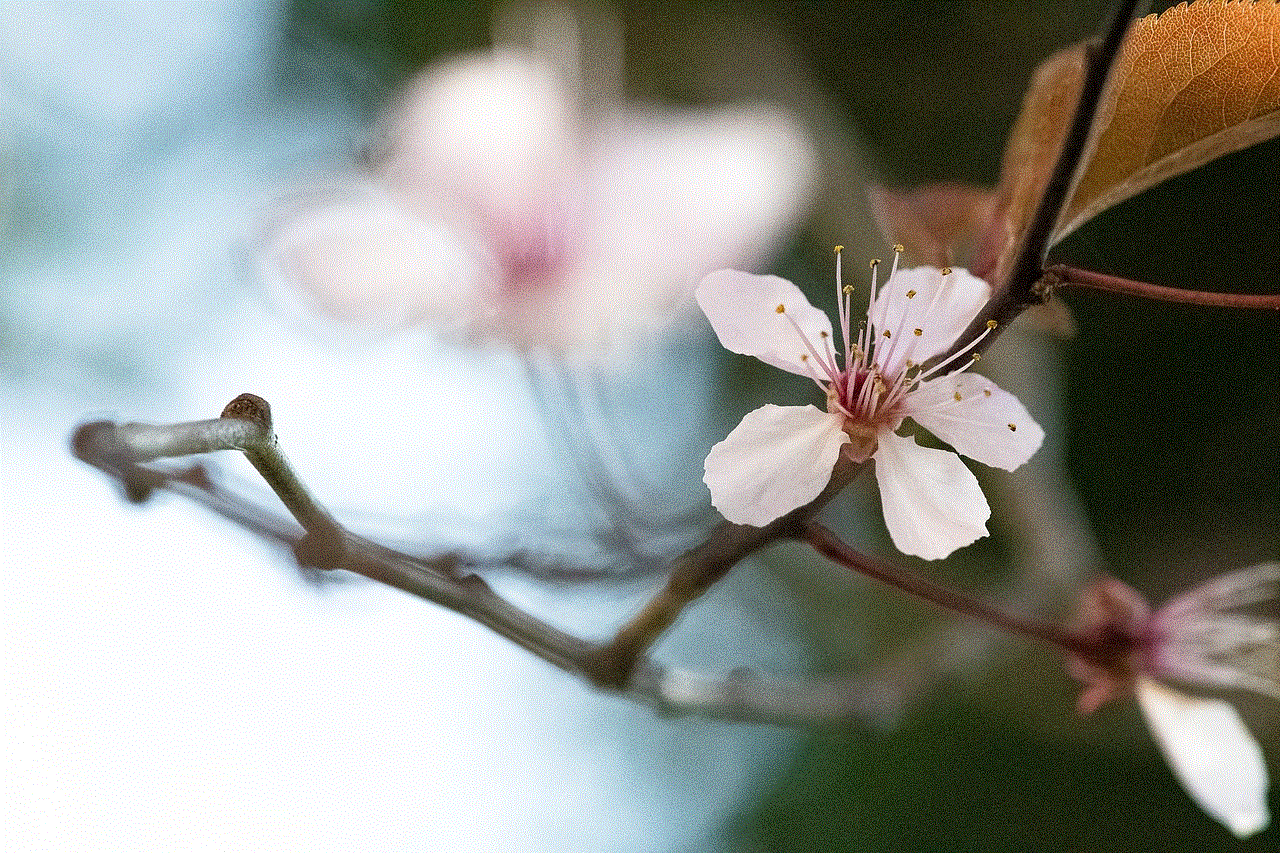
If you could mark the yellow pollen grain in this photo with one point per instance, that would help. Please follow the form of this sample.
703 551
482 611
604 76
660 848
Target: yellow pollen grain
911 294
917 332
991 324
957 396
1013 427
781 309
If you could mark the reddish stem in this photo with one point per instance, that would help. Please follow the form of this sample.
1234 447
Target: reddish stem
1066 275
829 545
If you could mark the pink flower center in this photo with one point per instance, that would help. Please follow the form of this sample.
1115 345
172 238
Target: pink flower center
868 384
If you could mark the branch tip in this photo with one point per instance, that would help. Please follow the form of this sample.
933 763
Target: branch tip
250 407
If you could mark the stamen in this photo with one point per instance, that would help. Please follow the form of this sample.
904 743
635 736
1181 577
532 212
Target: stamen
975 357
813 374
957 397
842 303
829 369
1013 427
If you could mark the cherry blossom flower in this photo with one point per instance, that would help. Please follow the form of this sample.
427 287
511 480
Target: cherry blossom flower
1191 639
500 204
781 457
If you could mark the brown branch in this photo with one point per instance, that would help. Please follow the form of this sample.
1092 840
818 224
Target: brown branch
121 450
1061 275
830 546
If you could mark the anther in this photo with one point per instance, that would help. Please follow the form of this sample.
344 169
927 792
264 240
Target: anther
918 332
886 334
957 396
946 270
899 248
977 356
991 324
1013 427
823 334
986 392
839 248
781 309
911 294
875 262
848 288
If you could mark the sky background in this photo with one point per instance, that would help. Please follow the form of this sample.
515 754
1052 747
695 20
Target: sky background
173 684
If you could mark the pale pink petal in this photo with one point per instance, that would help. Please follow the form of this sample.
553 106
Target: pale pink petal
494 132
975 417
668 197
361 260
1211 752
743 310
677 194
777 459
932 503
1234 589
941 308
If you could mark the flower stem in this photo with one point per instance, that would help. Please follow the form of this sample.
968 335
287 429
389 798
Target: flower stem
829 545
1061 275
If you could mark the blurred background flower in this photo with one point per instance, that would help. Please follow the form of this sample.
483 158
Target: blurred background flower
171 682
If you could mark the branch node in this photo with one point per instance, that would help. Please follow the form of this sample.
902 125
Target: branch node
320 551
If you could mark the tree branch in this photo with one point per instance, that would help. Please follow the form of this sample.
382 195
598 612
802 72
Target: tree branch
1061 275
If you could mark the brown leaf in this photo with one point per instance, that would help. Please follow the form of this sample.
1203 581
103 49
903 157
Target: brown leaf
1029 157
937 224
1197 82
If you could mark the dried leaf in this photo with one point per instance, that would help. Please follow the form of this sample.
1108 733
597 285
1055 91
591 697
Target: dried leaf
1197 82
1029 157
938 224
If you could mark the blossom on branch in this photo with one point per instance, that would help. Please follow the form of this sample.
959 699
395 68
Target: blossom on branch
1191 639
781 457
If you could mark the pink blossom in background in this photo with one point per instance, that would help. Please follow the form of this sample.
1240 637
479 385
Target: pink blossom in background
500 206
1195 639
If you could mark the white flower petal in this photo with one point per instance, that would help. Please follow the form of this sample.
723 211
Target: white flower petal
743 310
932 503
1212 753
681 193
777 459
942 308
986 423
360 259
490 131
